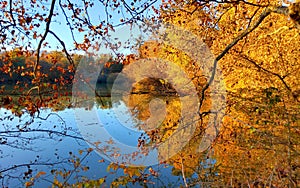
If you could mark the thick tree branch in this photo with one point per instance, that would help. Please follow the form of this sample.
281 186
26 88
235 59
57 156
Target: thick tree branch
229 2
51 11
266 12
11 12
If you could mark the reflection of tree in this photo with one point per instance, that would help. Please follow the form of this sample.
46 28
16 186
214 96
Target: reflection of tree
257 49
160 125
256 45
158 105
260 137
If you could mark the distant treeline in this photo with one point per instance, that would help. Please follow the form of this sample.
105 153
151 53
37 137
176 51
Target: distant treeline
16 68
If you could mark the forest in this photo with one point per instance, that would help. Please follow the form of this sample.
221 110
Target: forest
150 93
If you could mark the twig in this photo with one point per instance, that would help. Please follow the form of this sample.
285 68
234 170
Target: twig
64 47
183 175
76 167
42 131
266 70
30 164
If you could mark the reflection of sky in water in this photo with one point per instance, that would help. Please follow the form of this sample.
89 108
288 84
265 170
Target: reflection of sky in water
55 149
120 124
43 148
113 133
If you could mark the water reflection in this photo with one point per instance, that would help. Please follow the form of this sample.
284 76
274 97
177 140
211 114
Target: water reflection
52 142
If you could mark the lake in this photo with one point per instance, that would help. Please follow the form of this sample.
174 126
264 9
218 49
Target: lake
54 145
144 139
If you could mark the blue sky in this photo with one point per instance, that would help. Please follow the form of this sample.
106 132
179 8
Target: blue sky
96 13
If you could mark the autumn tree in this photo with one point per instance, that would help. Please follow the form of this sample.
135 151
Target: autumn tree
256 45
254 42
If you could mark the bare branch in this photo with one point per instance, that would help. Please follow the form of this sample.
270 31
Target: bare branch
183 175
266 12
44 36
41 131
281 78
230 2
31 164
64 47
11 13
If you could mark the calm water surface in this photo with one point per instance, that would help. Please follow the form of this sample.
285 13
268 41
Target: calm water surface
50 143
